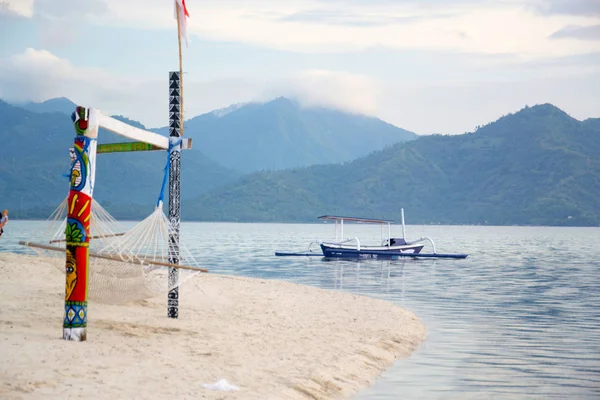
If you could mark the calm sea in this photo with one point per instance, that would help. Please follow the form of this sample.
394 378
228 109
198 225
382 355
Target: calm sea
518 319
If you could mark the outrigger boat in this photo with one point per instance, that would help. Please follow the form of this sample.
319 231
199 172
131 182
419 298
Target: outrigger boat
388 247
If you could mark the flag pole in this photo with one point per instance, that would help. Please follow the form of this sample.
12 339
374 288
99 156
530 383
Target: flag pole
175 133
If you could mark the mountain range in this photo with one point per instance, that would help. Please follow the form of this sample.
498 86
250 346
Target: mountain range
280 134
36 157
239 140
538 166
275 135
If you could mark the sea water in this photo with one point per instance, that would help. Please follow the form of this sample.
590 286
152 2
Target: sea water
518 319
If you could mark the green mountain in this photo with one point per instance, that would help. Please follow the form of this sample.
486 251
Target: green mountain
280 134
538 166
254 136
35 157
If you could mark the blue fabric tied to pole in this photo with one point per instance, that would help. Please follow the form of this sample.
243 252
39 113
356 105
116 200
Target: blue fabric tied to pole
161 196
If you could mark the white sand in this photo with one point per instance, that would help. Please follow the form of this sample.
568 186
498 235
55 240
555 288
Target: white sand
272 339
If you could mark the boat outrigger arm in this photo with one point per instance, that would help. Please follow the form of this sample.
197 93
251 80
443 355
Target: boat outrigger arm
422 239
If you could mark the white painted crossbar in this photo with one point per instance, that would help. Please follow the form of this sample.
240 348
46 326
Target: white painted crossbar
131 132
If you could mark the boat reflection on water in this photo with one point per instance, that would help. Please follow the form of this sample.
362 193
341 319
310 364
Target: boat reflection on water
381 276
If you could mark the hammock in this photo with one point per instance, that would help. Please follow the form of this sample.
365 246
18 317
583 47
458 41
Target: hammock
123 266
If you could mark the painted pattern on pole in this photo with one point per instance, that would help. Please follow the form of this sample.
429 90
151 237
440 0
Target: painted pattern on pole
77 230
174 190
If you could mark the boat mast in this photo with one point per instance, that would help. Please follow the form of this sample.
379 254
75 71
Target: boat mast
336 230
403 230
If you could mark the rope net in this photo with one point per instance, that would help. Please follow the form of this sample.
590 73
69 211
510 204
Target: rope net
124 265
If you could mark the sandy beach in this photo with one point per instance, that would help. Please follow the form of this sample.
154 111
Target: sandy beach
271 339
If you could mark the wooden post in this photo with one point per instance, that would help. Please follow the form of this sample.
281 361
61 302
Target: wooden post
174 191
77 231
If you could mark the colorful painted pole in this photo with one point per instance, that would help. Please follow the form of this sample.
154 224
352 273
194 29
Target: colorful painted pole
77 231
174 190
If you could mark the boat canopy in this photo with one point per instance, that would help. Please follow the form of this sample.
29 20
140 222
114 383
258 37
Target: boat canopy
355 219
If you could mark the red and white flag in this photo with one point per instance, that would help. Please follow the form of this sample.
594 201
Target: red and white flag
183 15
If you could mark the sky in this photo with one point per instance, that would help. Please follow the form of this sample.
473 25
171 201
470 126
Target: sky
429 66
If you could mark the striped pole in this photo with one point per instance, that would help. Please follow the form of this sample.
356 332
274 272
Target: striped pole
174 190
78 223
175 133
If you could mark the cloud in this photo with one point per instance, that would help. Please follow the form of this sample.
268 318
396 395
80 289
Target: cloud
578 32
586 8
340 90
313 26
38 75
445 107
22 8
340 17
59 21
473 29
70 9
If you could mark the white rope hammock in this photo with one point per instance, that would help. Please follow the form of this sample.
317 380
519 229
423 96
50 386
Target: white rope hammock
123 265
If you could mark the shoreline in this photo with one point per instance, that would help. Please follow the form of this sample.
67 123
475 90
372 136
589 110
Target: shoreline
310 222
272 339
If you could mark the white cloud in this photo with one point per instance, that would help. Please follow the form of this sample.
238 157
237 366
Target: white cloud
73 9
507 27
424 108
59 21
20 7
38 75
520 27
341 90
